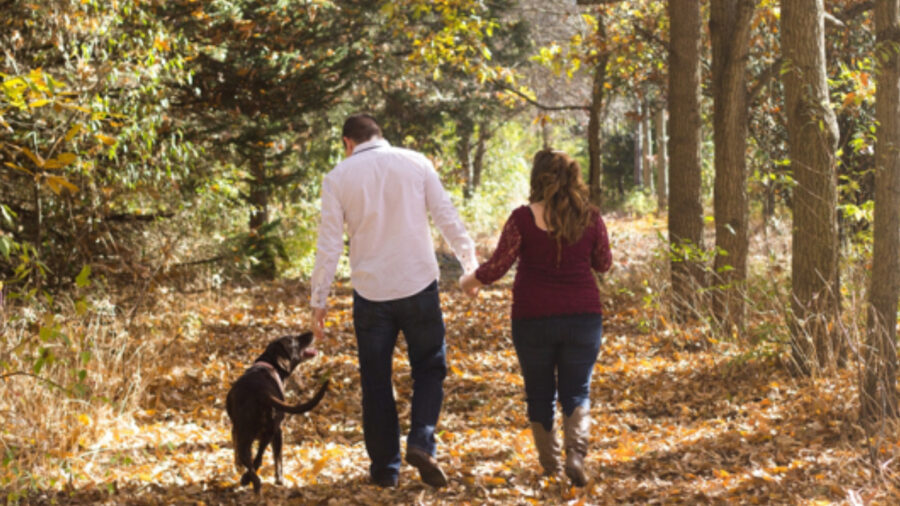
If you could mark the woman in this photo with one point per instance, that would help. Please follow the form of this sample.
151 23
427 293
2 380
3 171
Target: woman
556 312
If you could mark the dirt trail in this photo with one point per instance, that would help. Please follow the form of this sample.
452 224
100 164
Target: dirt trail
677 419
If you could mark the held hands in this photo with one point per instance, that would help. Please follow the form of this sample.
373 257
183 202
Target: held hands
469 284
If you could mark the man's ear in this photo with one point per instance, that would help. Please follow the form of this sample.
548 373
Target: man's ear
348 146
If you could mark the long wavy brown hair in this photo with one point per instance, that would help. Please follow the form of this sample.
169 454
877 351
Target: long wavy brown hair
556 180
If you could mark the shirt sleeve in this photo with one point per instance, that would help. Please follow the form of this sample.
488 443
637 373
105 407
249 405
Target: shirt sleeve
601 255
504 256
329 247
447 220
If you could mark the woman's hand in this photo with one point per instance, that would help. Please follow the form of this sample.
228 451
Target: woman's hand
469 284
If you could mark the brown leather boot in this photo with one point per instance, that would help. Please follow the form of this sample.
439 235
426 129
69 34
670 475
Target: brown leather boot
577 427
429 470
547 447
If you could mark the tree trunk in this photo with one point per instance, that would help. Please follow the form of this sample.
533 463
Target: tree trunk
729 26
259 217
546 133
812 135
465 129
685 208
639 147
480 150
646 148
879 393
595 168
259 196
662 161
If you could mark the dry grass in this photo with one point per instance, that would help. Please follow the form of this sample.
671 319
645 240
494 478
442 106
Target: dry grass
680 415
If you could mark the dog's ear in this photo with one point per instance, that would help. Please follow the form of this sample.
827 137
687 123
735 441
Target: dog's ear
305 339
283 355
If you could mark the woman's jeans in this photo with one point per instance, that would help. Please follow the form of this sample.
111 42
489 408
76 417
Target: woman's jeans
557 355
377 325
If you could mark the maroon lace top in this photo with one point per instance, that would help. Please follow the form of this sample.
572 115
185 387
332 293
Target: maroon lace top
549 281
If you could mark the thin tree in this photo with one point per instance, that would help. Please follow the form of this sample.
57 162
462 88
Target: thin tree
812 135
647 146
595 168
662 160
729 26
879 395
685 208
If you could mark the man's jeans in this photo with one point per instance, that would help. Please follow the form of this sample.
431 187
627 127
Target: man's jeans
557 354
377 325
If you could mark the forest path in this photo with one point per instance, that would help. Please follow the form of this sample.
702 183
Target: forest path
678 418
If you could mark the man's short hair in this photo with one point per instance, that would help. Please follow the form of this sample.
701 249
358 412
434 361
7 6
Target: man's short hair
360 128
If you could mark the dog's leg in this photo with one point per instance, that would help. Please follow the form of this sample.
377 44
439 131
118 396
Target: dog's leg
276 454
250 476
238 464
244 456
264 440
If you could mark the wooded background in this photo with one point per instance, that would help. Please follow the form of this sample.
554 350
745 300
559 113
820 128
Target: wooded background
159 149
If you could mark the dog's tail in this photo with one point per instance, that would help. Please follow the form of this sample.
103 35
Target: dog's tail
299 408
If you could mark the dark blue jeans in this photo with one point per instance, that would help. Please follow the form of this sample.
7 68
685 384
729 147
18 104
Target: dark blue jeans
557 355
377 325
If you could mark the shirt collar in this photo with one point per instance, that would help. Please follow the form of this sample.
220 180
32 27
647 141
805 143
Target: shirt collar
370 144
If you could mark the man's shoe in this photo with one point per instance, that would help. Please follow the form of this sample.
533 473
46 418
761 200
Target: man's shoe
385 482
428 467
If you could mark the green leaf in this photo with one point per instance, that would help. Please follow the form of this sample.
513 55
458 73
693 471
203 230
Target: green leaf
46 333
6 245
82 279
7 214
38 365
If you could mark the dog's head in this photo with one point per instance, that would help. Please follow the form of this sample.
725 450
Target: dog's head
287 352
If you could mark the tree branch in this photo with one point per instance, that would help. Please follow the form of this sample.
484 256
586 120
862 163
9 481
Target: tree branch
35 376
541 106
855 10
763 79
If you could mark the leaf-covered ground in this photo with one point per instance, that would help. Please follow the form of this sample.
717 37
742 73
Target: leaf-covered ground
678 417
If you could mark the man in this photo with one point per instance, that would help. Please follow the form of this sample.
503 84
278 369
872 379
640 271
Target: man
383 195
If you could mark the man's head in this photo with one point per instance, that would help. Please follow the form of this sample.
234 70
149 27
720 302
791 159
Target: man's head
358 129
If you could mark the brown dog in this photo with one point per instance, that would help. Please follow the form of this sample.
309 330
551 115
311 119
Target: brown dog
256 404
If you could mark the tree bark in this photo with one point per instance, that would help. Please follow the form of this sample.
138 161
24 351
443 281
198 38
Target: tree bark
546 133
480 150
662 161
465 129
812 135
595 167
639 147
879 396
259 217
259 195
647 147
685 208
729 26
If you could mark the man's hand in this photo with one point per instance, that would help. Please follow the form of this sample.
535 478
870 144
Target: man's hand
469 284
319 322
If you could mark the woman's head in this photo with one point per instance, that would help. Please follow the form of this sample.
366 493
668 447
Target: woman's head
556 181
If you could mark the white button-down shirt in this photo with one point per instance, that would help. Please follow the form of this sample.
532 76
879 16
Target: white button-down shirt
383 194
